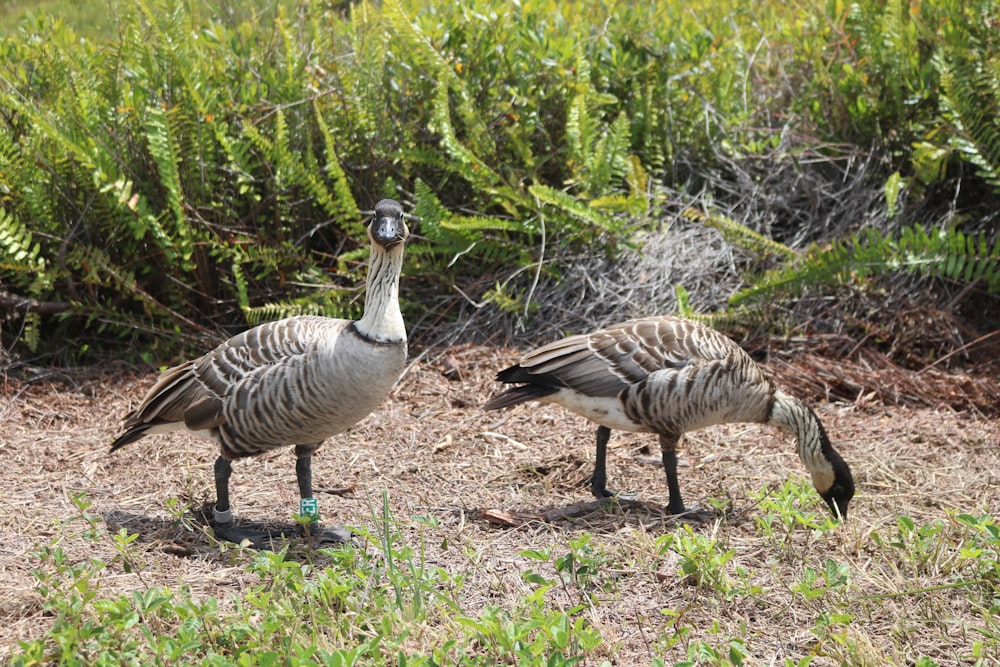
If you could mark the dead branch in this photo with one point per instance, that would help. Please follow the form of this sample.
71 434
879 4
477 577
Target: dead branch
14 303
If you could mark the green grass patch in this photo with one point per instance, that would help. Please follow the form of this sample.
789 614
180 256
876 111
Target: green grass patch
382 601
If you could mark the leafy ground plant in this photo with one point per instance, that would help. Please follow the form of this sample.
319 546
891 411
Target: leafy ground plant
125 574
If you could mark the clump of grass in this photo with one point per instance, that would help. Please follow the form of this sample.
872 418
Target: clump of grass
853 594
353 605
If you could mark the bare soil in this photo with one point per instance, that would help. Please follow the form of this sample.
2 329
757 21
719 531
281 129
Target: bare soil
433 452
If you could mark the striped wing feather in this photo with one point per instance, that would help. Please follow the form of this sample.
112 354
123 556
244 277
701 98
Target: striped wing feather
197 393
605 362
668 372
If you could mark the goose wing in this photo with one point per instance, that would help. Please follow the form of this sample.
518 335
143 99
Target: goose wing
195 393
605 362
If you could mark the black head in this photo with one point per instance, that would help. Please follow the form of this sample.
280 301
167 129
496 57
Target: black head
387 227
841 491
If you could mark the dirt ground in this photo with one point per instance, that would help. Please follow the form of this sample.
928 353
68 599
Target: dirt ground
434 453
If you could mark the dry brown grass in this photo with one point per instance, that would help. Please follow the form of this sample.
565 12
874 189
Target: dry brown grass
434 453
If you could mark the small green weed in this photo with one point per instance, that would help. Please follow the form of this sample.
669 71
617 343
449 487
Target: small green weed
580 567
815 584
790 507
533 634
730 652
341 606
702 559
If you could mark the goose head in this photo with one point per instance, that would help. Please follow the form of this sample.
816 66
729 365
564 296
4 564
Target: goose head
387 227
836 485
830 474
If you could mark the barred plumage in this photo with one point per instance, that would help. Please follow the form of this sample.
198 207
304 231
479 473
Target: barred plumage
667 375
297 381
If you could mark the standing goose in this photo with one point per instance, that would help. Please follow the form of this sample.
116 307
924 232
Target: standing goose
668 376
296 381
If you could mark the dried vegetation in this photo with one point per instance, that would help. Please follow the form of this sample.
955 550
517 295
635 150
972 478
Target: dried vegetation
434 454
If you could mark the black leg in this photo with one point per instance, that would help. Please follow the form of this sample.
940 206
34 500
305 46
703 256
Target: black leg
259 535
303 472
318 535
599 480
669 447
223 471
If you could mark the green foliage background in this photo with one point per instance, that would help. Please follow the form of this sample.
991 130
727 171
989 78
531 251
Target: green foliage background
176 170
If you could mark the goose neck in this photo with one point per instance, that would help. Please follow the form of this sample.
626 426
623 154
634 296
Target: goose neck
382 320
813 445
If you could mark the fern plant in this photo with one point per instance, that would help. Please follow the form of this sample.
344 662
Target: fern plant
970 79
19 252
202 170
947 254
171 176
21 262
740 235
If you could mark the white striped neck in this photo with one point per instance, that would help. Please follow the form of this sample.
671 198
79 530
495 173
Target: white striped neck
812 443
382 320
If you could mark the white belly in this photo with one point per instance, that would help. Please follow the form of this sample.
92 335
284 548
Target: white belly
603 410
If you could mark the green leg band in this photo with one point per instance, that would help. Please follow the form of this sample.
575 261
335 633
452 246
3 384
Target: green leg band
310 508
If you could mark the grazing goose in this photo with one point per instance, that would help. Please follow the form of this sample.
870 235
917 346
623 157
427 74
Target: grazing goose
297 381
667 375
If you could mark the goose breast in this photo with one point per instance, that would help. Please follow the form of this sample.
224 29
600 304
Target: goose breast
301 380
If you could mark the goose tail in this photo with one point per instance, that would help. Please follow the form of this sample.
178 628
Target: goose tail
131 435
511 397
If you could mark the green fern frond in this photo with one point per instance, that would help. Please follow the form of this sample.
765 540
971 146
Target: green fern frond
19 252
429 209
301 169
573 206
329 303
948 254
580 132
453 236
972 94
738 318
477 223
722 319
636 202
818 266
510 303
683 298
969 67
422 49
96 269
165 155
343 201
466 163
240 280
638 182
477 139
952 255
738 234
11 163
609 160
31 331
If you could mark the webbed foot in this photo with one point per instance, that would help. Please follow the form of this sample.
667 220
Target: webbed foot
696 514
599 489
266 537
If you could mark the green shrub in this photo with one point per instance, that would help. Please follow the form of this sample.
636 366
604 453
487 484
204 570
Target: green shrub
203 169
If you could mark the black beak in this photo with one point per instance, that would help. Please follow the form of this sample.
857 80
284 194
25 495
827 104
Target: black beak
388 231
838 507
388 228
